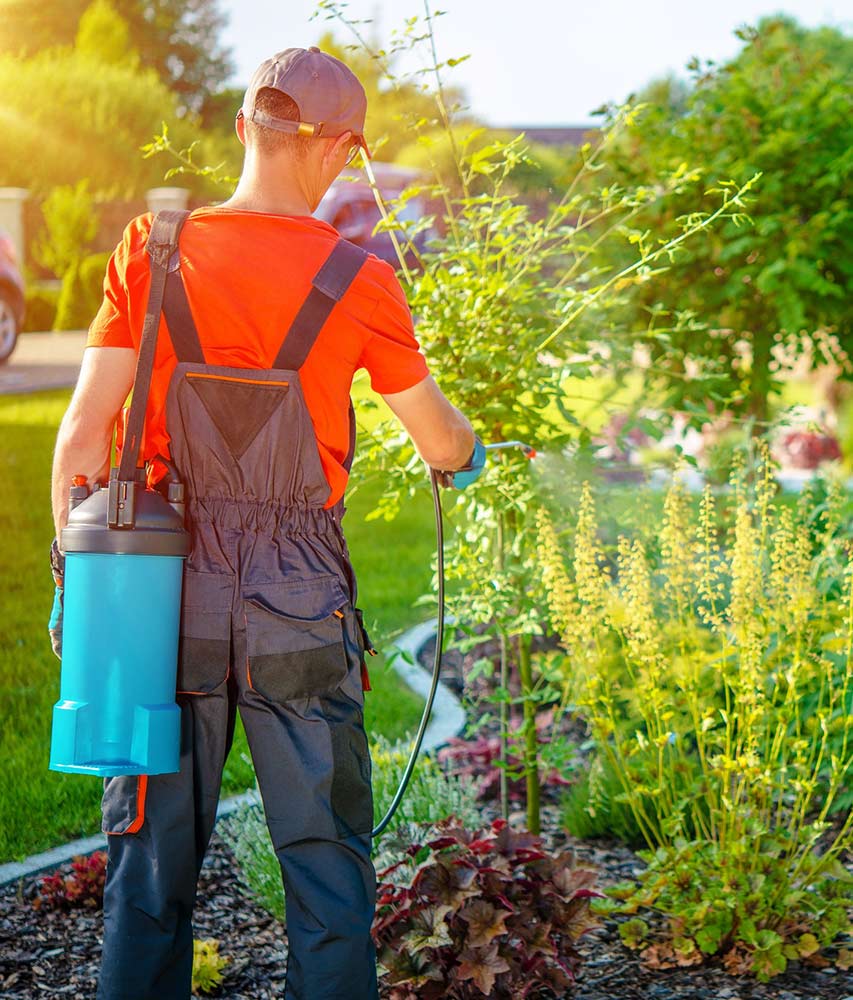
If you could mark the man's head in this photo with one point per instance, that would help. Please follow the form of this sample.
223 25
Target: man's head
301 95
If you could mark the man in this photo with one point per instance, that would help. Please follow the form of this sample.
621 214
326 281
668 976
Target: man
249 402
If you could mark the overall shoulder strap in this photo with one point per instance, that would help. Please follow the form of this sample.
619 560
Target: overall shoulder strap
328 287
179 320
176 310
162 242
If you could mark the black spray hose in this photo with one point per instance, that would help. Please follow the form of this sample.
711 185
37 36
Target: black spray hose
439 631
436 667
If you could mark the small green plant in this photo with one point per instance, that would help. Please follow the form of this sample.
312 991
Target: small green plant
207 966
595 807
83 888
247 835
715 671
467 914
758 918
430 795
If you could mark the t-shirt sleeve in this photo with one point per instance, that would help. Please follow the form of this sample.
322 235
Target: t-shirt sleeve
111 325
391 354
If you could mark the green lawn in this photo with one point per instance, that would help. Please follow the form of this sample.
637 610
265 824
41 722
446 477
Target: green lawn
40 808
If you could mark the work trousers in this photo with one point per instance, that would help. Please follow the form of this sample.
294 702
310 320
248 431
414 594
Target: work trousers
309 755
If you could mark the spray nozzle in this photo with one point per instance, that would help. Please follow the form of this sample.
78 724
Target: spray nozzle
526 448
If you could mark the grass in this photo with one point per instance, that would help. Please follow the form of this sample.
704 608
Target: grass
40 808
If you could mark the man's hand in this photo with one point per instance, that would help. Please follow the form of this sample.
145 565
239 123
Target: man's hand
54 626
85 434
458 479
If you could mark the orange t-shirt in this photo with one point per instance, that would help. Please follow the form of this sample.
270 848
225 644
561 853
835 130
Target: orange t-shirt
247 274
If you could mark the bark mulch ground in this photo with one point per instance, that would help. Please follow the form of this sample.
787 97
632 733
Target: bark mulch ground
46 954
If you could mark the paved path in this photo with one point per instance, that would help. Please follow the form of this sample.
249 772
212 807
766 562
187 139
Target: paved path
43 361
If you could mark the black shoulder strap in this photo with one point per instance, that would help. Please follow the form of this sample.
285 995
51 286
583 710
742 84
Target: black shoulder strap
162 242
179 320
327 288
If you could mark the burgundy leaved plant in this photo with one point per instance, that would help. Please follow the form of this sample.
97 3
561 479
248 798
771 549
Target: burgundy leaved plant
468 914
83 888
479 759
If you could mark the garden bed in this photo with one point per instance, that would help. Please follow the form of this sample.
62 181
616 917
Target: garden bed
50 954
45 953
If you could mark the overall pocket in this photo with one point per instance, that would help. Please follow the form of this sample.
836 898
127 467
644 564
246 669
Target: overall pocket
295 636
123 804
205 645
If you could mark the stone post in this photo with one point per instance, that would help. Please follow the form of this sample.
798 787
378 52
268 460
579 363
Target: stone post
171 198
12 217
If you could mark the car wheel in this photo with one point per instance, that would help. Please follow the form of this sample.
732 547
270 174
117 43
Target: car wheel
8 329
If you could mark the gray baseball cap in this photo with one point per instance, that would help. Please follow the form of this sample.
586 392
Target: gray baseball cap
330 99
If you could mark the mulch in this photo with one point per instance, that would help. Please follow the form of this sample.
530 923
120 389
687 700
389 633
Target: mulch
49 954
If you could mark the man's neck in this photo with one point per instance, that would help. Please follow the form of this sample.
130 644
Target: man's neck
272 186
250 198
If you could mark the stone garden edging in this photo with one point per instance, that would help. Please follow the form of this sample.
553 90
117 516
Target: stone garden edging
447 721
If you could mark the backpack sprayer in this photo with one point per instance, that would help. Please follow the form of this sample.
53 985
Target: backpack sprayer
529 453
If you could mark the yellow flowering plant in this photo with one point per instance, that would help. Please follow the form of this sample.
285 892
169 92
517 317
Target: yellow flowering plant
715 672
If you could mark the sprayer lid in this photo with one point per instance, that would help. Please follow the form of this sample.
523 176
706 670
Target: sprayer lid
158 529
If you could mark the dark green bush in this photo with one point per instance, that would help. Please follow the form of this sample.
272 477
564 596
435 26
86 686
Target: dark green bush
82 290
40 307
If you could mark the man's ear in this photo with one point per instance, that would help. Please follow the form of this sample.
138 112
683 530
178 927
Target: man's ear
240 126
335 148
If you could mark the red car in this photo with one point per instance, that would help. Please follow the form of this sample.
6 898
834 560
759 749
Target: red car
350 207
11 298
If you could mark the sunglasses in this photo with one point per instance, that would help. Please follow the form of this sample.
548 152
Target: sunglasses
353 152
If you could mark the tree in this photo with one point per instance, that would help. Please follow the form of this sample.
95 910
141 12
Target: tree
177 38
782 108
70 115
104 34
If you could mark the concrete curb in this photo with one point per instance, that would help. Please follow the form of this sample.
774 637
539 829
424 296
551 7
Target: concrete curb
448 716
447 720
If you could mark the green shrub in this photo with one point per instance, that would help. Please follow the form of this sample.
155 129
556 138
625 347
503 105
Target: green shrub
246 834
715 671
430 795
71 115
70 225
41 303
92 270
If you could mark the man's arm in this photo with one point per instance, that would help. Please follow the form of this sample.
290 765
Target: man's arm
442 435
85 434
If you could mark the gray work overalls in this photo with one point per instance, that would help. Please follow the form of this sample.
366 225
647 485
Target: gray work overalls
269 627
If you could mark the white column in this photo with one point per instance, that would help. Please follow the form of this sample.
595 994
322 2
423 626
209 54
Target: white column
12 217
171 198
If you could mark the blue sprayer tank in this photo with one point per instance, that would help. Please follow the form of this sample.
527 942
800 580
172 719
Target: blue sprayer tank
116 712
